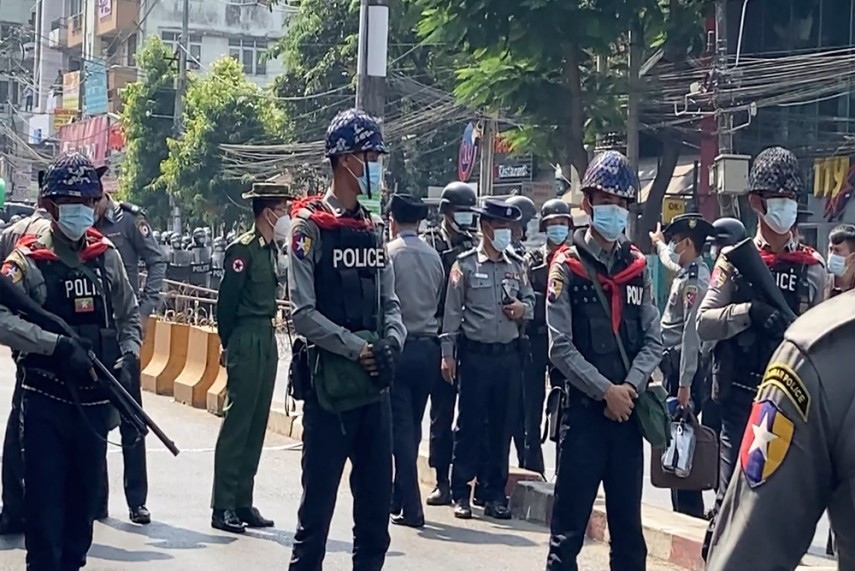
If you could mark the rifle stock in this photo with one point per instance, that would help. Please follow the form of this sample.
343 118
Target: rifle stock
22 305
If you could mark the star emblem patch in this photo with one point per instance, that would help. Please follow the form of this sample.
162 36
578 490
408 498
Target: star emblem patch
238 265
765 443
301 245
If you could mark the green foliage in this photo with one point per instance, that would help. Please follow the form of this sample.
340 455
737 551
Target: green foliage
221 107
320 52
147 123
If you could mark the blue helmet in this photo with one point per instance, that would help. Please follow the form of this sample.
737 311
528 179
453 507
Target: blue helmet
71 174
612 173
354 132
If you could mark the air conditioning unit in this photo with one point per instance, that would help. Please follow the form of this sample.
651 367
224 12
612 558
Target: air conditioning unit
729 174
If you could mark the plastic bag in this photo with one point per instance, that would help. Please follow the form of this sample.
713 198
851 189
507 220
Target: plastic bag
677 458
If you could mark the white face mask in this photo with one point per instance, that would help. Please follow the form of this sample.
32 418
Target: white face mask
781 214
282 228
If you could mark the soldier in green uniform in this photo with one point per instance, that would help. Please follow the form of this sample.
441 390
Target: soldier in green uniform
246 307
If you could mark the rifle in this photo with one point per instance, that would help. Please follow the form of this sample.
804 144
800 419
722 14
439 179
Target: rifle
746 259
21 304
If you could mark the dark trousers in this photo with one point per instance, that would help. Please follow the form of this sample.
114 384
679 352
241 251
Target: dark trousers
533 397
364 436
416 374
64 454
735 412
443 397
133 454
489 387
594 450
13 460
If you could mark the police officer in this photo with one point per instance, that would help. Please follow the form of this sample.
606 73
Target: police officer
841 259
747 330
218 256
342 292
419 280
795 450
726 232
520 229
556 221
488 296
604 338
452 237
246 308
74 273
684 377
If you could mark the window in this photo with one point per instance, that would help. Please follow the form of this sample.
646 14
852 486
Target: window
132 50
172 41
251 53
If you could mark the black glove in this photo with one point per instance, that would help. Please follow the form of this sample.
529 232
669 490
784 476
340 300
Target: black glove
385 353
128 370
74 355
767 317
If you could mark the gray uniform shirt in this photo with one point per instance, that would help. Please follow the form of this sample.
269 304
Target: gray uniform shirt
132 236
39 221
311 323
419 279
798 451
719 318
473 301
559 320
679 320
21 335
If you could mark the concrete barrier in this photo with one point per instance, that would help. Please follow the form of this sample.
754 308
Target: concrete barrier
147 349
170 355
216 395
201 369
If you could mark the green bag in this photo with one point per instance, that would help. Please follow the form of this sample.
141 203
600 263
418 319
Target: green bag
341 384
651 406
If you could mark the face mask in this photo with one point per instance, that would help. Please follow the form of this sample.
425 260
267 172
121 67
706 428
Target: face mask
557 234
75 220
609 220
781 214
374 175
672 253
501 238
837 265
713 252
282 228
464 219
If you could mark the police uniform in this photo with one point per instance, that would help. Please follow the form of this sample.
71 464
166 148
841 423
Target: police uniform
449 240
594 449
126 226
681 362
419 281
489 371
731 316
246 309
342 290
796 452
64 412
12 516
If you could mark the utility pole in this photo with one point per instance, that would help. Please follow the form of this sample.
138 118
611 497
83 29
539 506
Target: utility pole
728 204
180 92
371 59
632 120
488 148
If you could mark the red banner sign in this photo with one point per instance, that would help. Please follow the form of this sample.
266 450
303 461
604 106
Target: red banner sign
89 137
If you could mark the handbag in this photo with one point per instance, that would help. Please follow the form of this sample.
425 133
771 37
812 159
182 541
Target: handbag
704 472
651 407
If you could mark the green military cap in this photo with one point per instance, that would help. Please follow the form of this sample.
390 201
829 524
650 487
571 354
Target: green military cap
691 224
270 190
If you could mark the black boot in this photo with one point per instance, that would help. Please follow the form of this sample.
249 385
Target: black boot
251 517
227 520
462 509
440 496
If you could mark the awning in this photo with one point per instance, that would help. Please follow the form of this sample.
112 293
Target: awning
681 181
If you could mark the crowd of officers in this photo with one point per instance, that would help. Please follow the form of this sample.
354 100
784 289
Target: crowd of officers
466 318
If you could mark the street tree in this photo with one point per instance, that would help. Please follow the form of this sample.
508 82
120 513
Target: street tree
147 123
221 107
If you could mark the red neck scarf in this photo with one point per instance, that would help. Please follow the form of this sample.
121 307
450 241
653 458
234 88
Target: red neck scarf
325 219
612 285
96 245
803 256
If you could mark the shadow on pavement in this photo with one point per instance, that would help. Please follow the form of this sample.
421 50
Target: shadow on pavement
167 536
108 553
286 539
442 532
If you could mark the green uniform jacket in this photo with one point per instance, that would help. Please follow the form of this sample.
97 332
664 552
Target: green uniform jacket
248 288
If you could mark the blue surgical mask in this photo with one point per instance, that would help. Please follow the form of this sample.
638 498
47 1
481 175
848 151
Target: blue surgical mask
837 265
464 219
375 175
501 238
781 214
557 234
609 220
75 220
673 255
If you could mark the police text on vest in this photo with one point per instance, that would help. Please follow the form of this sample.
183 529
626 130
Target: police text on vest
79 287
359 258
634 294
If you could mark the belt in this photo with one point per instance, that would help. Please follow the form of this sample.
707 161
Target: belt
488 348
256 320
422 337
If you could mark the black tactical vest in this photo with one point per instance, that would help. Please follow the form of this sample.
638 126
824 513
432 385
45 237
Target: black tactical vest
592 328
538 271
88 309
742 359
346 277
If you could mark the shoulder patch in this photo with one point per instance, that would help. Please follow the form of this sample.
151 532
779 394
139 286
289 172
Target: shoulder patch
144 228
766 441
456 274
466 254
690 296
246 238
301 244
782 377
238 265
721 272
12 271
